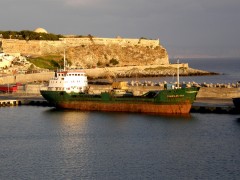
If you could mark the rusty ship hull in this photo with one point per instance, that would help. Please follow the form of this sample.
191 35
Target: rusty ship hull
182 108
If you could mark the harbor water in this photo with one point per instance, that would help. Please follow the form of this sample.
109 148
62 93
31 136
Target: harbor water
45 143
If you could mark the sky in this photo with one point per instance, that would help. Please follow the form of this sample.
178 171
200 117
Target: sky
186 28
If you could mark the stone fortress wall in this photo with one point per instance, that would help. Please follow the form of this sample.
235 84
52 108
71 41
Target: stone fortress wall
38 47
21 46
112 41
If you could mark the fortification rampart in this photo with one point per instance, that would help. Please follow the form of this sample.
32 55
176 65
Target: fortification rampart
39 47
111 41
21 46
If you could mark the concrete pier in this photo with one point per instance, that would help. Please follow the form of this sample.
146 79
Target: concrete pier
216 109
17 99
10 102
214 105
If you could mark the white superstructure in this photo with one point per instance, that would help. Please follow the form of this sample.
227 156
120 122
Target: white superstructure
69 81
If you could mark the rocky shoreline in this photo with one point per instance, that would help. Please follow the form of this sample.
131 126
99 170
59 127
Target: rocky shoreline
111 73
145 71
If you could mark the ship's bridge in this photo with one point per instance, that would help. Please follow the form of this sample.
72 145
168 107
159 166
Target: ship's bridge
69 81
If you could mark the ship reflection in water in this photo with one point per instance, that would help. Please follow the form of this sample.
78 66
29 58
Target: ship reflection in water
69 120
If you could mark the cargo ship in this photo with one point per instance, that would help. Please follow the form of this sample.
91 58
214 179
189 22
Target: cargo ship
69 89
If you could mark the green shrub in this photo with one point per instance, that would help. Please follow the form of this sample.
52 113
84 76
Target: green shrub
113 62
45 63
29 35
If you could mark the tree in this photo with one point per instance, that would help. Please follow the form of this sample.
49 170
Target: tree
113 61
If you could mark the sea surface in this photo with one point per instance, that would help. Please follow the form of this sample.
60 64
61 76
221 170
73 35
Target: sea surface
45 143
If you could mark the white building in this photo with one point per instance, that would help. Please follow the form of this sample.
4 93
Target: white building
6 60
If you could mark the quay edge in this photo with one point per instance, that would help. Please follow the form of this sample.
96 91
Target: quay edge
205 105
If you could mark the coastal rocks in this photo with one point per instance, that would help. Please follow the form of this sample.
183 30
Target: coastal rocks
187 84
146 71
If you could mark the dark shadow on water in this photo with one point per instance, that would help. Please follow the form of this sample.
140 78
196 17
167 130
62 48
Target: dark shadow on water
238 121
53 110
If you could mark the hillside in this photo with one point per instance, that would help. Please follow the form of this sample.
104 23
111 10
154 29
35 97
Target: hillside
115 55
93 52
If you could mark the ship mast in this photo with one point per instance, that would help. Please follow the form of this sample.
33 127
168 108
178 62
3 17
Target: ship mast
64 60
178 73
